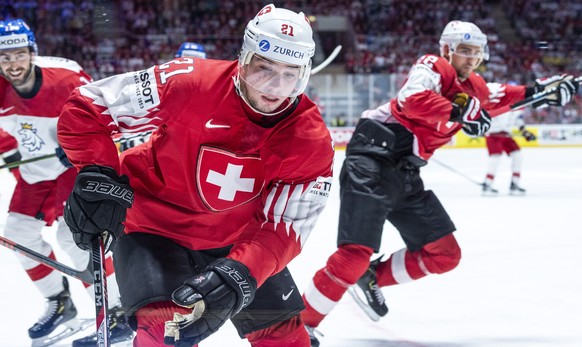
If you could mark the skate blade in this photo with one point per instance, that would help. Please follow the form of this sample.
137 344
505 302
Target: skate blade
66 329
363 303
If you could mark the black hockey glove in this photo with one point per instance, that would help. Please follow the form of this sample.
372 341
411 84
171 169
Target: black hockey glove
467 110
566 88
528 135
63 157
98 204
11 156
215 295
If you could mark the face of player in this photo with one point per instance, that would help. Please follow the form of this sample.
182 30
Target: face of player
465 59
267 84
16 67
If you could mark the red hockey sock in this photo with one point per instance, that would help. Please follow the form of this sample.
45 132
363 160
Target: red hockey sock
151 321
329 284
404 266
289 333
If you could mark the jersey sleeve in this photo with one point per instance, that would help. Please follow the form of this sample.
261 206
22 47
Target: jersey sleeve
300 176
420 97
501 95
126 103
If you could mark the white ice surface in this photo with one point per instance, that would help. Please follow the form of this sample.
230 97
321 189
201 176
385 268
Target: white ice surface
519 283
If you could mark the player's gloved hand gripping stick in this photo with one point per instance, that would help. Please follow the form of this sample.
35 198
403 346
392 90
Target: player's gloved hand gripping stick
95 211
215 295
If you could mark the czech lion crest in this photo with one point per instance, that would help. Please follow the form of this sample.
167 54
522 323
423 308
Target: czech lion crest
29 139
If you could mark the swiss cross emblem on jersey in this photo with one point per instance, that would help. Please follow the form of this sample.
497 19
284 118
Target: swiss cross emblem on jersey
226 180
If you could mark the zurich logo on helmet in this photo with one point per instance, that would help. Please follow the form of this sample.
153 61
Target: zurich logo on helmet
264 45
467 36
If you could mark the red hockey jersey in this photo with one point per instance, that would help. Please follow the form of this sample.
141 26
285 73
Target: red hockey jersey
214 173
424 102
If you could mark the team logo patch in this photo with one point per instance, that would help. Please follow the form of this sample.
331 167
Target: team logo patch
226 180
29 139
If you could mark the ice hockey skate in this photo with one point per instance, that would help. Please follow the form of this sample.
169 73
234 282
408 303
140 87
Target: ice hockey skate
487 190
59 320
368 294
119 330
515 189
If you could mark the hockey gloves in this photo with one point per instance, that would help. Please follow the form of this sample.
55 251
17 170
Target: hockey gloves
63 157
565 86
467 111
528 135
11 156
98 204
215 295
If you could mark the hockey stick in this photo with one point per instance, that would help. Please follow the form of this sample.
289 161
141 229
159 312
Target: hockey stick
85 276
529 100
327 61
457 172
100 287
26 161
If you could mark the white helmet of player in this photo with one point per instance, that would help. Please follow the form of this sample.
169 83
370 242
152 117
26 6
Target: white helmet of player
283 39
458 32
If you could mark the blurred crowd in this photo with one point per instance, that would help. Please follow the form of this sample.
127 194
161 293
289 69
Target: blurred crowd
114 36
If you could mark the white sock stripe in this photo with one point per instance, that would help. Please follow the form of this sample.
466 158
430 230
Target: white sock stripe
318 301
422 265
398 267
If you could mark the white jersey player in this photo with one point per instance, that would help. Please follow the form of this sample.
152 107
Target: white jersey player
33 91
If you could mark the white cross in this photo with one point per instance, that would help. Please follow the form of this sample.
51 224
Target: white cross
231 182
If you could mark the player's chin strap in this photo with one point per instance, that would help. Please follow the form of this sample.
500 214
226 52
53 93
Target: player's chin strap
236 81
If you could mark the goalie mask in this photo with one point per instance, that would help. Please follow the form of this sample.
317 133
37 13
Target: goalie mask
275 58
458 32
16 34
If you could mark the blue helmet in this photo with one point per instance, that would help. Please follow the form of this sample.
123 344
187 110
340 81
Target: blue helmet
15 34
191 49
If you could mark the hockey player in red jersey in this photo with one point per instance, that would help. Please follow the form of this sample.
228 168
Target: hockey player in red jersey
499 140
223 195
380 176
186 49
33 92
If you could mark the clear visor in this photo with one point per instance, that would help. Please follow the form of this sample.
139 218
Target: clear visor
271 78
465 51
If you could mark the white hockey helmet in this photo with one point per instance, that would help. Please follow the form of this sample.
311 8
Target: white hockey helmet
459 32
282 36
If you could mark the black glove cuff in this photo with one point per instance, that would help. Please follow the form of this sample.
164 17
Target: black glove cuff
529 91
12 158
239 278
96 183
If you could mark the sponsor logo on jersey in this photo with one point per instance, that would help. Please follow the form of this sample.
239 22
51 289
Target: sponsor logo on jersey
211 125
226 180
145 94
319 191
29 139
4 110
